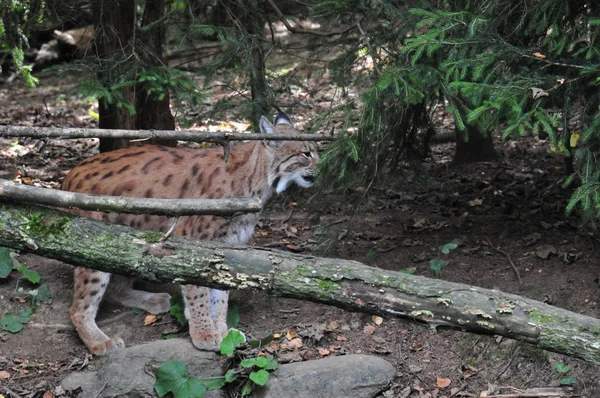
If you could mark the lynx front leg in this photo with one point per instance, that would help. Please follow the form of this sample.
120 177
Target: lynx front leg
203 332
219 303
89 289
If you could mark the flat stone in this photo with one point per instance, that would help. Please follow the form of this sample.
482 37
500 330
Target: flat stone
349 376
122 374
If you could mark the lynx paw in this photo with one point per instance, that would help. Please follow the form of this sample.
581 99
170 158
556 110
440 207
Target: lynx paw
158 303
206 341
108 346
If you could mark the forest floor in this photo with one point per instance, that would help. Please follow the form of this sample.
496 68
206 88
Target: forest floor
515 204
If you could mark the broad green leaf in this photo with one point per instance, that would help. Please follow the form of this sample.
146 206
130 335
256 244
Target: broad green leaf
13 323
448 247
230 376
169 376
436 266
247 390
248 362
30 275
260 377
191 388
271 364
6 263
567 381
233 338
233 316
561 368
40 295
214 383
261 362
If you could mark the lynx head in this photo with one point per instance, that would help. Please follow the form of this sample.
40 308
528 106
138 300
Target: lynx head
294 161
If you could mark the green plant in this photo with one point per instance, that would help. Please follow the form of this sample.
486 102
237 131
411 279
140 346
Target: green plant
564 369
245 372
437 265
13 322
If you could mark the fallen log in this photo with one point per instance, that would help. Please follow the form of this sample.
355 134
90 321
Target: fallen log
346 284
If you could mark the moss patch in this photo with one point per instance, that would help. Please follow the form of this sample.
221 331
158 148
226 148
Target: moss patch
39 223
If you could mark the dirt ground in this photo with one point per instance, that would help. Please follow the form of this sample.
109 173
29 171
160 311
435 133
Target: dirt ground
515 204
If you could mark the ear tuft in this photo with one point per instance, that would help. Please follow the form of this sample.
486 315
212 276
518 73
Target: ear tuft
283 118
265 126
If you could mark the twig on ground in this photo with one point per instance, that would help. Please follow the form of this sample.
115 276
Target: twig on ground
507 255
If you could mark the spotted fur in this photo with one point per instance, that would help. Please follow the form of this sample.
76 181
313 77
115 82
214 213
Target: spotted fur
254 169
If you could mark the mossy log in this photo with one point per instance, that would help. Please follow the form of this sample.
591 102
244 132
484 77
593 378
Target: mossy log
347 284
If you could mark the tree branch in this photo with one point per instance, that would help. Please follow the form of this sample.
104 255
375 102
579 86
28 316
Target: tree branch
305 31
164 207
343 283
193 136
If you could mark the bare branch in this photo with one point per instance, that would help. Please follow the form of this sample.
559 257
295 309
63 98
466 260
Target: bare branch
305 31
164 207
193 136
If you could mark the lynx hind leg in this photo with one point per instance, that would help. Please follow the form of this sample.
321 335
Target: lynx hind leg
203 331
89 289
120 292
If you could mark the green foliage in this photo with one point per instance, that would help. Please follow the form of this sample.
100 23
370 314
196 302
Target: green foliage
448 247
231 341
171 377
233 315
13 323
252 371
6 262
564 369
30 275
176 309
437 266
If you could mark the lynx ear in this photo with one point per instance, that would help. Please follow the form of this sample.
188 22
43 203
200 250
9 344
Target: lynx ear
283 118
265 126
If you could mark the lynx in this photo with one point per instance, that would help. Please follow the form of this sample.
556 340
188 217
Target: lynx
254 169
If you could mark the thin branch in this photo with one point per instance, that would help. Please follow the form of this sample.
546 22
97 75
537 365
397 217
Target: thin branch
305 31
164 207
193 136
512 264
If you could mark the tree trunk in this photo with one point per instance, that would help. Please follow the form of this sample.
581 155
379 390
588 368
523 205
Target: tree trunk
343 283
114 27
472 146
153 112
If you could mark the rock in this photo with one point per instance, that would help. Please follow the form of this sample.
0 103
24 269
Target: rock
122 374
350 376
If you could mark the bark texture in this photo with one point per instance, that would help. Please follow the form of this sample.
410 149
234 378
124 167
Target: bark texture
343 283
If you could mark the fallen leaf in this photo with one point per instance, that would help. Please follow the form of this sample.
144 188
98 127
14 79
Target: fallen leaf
277 335
539 55
574 140
377 320
291 334
333 325
149 320
296 343
443 383
48 394
476 202
293 230
4 374
341 338
417 346
369 329
324 352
